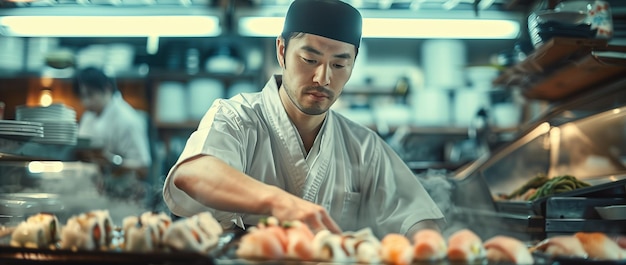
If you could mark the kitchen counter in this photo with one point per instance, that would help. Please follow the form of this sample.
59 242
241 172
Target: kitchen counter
25 150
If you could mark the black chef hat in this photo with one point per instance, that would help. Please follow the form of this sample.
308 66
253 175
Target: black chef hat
332 19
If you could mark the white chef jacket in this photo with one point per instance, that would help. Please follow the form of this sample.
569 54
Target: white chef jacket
119 129
350 170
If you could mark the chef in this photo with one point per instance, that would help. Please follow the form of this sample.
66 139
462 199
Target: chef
282 152
117 130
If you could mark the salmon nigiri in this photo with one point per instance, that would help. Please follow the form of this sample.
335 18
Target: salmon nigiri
465 245
429 245
396 249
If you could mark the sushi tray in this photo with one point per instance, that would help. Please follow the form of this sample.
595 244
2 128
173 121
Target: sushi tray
153 238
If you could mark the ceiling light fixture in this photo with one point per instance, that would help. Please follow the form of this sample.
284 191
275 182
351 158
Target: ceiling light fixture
453 24
110 26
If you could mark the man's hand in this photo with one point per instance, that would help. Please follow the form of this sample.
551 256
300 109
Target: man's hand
293 208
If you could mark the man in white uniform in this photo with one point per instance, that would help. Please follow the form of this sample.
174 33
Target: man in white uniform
117 128
281 152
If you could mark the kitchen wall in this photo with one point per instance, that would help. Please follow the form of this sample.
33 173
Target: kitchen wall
388 73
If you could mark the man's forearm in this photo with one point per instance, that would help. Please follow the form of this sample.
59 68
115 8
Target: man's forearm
217 185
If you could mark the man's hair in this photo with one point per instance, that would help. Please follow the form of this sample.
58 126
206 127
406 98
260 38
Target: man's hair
93 79
287 36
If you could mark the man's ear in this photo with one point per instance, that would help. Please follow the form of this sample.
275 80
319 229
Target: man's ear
280 51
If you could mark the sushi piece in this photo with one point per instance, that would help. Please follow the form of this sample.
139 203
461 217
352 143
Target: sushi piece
105 225
396 249
262 243
299 241
507 249
366 246
329 247
429 245
600 246
28 235
159 220
465 245
198 233
82 232
50 226
38 231
139 236
567 246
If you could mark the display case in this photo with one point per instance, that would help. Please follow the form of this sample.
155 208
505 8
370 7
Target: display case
585 138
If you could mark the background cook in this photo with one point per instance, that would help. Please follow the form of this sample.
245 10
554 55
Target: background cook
118 132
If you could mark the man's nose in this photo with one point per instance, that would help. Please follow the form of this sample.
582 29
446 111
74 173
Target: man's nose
322 75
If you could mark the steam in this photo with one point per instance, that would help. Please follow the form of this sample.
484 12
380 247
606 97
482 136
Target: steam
76 191
440 188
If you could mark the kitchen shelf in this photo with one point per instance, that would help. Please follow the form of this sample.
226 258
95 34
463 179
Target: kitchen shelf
562 67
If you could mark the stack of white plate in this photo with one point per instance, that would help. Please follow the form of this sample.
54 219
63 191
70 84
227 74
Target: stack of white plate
59 122
20 130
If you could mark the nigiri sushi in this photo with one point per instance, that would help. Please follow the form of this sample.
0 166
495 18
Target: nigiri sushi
600 246
568 246
396 249
429 245
507 249
465 245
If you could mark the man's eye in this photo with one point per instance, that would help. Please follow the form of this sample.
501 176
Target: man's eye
339 66
309 61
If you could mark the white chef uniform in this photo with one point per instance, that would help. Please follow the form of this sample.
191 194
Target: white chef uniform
350 170
120 130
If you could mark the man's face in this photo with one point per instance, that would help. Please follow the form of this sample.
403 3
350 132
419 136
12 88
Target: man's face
315 70
94 100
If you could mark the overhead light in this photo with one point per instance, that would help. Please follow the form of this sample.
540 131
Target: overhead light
440 28
110 26
408 25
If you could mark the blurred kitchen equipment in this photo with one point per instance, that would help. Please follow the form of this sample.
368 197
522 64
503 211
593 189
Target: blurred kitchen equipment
511 57
113 57
506 114
613 212
37 50
225 60
598 12
481 77
2 106
576 19
192 61
361 115
11 53
443 62
468 102
430 107
241 86
389 116
201 94
171 98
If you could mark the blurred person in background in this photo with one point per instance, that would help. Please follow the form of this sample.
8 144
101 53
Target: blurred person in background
117 133
283 152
